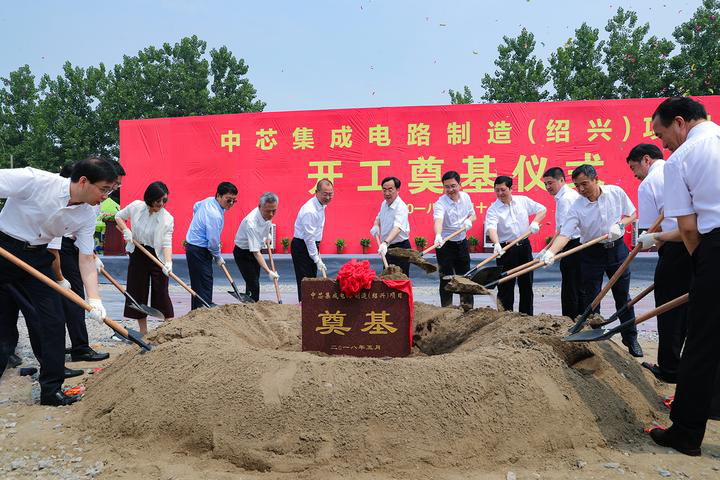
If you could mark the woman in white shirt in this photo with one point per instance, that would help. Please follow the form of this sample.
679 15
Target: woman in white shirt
152 227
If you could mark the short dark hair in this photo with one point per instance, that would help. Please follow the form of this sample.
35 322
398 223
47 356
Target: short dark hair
451 175
395 180
587 170
642 149
119 168
95 169
504 179
322 182
555 172
66 170
684 107
154 192
225 188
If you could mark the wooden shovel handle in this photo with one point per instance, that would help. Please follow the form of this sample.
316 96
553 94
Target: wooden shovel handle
663 308
641 295
522 267
624 266
272 265
449 237
505 249
67 293
161 265
112 280
227 274
384 260
557 257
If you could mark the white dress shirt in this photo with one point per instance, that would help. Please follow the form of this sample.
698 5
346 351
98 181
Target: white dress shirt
453 214
594 219
37 210
391 216
511 220
56 243
650 198
152 229
692 177
309 225
563 201
253 231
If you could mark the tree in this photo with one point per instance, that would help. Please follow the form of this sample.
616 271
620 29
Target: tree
637 67
697 67
520 76
18 104
457 98
576 68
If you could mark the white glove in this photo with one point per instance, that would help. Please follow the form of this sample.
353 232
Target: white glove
541 252
616 231
647 240
127 235
64 283
438 241
320 265
498 249
98 264
219 261
375 231
167 268
548 258
273 275
382 249
534 227
129 247
467 224
98 312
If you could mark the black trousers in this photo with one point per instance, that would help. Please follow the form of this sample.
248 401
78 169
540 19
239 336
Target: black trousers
453 259
144 275
697 374
673 275
403 263
571 286
518 255
250 271
46 325
74 313
303 265
200 261
596 261
12 302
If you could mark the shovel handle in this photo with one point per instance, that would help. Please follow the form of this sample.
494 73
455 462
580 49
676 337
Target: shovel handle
449 237
557 257
275 281
522 267
661 309
505 249
69 294
618 273
384 260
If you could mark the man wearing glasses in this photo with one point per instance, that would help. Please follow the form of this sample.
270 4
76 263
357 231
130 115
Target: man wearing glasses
40 207
203 240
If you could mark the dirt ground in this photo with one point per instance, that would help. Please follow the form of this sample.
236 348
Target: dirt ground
227 393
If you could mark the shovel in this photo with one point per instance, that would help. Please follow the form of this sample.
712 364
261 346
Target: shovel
149 311
605 333
416 258
625 307
172 275
384 260
272 265
244 298
126 333
492 273
591 308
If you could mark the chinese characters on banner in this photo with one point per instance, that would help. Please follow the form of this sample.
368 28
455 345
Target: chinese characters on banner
288 152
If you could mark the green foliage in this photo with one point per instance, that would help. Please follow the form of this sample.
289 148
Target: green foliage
420 242
696 68
340 244
520 76
457 98
473 241
365 242
285 242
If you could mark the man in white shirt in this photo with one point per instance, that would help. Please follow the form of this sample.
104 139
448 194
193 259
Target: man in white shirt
600 210
41 206
673 271
308 232
571 283
692 196
507 219
252 236
452 211
391 223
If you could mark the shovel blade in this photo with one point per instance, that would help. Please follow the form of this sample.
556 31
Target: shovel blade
244 298
486 275
580 323
149 311
591 335
136 337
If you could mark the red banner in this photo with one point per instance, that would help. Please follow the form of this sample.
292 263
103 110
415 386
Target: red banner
288 152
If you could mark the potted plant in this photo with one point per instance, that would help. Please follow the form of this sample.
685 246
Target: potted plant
285 242
420 243
340 244
473 242
547 240
365 244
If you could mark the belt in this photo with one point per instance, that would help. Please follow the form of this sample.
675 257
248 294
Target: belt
712 233
522 242
609 245
21 243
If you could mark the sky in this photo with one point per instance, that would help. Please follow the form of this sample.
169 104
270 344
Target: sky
307 55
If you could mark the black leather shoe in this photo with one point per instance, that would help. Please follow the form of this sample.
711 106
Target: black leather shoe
14 361
633 347
659 374
59 399
89 355
671 439
27 371
72 372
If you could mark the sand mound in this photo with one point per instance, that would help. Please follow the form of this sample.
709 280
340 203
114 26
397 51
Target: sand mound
485 388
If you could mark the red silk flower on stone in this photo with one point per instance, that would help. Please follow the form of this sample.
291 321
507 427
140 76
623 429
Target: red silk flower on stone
355 276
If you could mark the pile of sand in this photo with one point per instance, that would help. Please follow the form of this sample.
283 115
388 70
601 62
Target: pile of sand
483 389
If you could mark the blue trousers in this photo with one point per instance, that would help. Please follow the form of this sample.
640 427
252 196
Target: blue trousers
200 261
